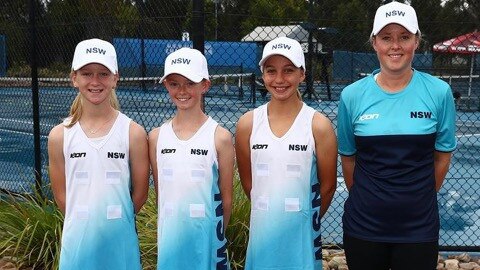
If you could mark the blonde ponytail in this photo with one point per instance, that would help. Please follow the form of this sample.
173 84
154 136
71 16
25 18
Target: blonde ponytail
299 95
114 100
75 110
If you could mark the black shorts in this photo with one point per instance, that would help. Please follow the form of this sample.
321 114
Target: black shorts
362 255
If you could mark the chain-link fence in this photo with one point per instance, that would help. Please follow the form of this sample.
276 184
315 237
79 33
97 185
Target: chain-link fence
334 35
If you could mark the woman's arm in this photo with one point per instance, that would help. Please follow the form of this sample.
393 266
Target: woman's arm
441 163
348 164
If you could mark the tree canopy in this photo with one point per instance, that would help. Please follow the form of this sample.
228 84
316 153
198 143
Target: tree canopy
62 23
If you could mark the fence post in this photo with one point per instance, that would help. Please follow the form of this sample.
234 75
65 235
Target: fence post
198 25
311 27
143 66
198 28
35 102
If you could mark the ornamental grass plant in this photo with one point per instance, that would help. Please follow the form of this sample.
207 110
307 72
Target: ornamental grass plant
237 230
147 232
30 231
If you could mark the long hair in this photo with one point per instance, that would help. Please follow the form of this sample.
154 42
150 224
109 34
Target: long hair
76 108
299 95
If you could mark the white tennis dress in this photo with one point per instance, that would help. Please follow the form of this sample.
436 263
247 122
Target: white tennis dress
190 220
285 213
99 229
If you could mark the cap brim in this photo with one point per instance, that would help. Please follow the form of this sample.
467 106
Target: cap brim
192 77
265 58
85 62
410 29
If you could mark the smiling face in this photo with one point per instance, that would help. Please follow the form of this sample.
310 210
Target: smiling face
282 77
395 47
185 93
95 82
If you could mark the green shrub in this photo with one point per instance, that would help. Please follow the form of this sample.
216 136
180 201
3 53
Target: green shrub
237 230
30 231
147 232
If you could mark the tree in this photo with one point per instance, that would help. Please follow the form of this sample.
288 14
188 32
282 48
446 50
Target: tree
62 23
70 21
354 20
231 15
429 23
472 7
14 24
266 12
165 19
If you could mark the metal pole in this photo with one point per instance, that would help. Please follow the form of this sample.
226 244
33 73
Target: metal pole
35 101
198 25
309 63
198 28
309 74
470 77
143 66
216 20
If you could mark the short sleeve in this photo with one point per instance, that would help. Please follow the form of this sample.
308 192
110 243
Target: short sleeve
446 140
345 129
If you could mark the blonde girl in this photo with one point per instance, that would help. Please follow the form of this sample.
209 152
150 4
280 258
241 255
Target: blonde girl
99 167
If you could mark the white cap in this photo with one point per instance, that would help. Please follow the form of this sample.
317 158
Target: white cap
395 12
95 51
190 63
284 46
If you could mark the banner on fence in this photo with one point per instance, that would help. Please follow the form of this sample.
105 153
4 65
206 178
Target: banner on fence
222 56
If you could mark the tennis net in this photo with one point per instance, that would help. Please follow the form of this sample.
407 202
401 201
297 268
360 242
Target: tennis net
143 83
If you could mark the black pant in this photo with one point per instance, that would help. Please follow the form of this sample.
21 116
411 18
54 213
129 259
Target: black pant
362 255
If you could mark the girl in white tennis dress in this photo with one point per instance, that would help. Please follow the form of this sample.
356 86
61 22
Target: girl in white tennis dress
287 158
99 180
192 161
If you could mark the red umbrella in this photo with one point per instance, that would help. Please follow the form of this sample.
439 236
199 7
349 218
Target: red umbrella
464 44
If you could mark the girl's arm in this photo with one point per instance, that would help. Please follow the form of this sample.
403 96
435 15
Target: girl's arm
139 165
326 151
226 160
56 166
242 150
152 152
